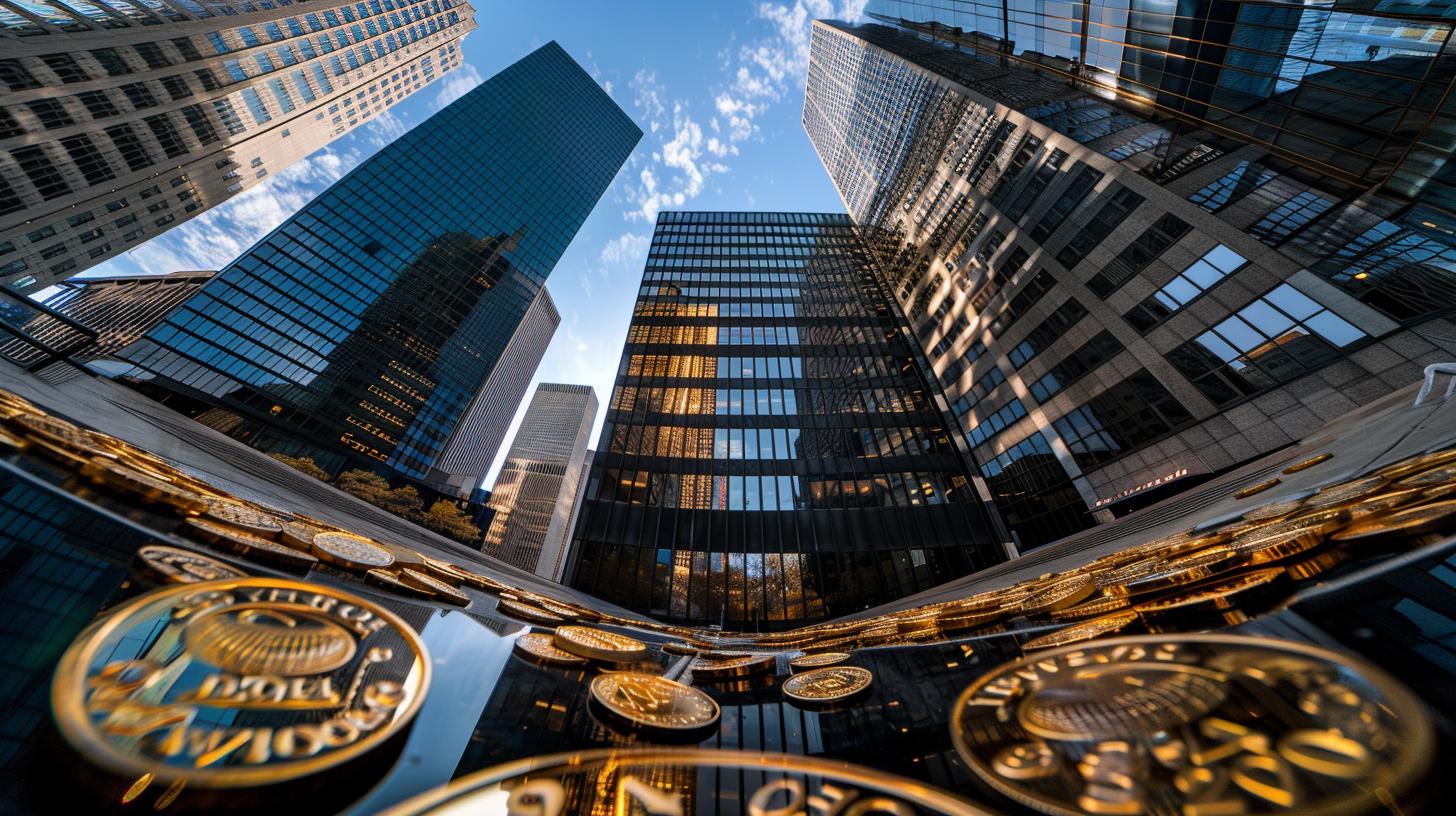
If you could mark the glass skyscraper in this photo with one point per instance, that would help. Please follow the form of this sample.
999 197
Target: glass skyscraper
1118 301
122 120
771 452
362 329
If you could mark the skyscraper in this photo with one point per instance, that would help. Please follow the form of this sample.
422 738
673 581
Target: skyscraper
772 452
123 120
477 437
1119 302
121 309
534 496
361 330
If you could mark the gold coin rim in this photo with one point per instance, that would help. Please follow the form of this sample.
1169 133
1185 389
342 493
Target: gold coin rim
600 698
68 707
151 563
800 678
1400 699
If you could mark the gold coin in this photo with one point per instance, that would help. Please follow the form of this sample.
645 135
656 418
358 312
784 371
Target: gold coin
962 621
1227 602
1060 594
11 442
1084 630
1289 537
1111 726
344 676
1180 572
538 646
1253 489
388 580
1416 464
527 612
1432 477
654 702
733 668
1413 521
184 567
299 534
1306 464
827 685
1094 608
673 647
141 486
684 780
350 551
236 514
58 432
1344 492
599 644
817 660
439 590
247 544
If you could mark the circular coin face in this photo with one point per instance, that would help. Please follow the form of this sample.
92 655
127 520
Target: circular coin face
1255 725
538 646
599 644
655 702
526 612
183 567
334 676
1059 594
829 685
350 551
680 781
817 661
733 667
243 517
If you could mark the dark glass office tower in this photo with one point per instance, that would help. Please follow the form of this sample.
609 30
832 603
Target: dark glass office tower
1120 299
361 330
771 453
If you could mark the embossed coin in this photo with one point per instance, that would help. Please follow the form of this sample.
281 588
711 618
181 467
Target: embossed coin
239 515
538 646
1180 572
1060 594
58 432
1091 609
1253 489
527 612
654 702
1306 464
1193 724
182 567
1225 602
1085 630
299 534
439 590
733 668
828 685
221 535
138 485
171 683
1411 521
817 661
1344 492
350 551
683 781
599 644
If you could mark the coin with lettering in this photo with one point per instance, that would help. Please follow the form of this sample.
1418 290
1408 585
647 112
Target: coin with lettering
654 702
538 646
180 566
817 660
350 551
828 685
684 781
599 644
1193 724
178 684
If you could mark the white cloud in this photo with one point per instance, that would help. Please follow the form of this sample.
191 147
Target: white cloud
385 128
647 98
456 84
215 238
626 250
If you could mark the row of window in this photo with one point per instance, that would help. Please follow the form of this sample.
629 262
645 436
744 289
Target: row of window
699 491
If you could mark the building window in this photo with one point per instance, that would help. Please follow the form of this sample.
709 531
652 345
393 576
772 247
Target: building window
1280 336
1199 277
1232 186
1107 216
41 171
1154 241
1285 219
51 113
1132 413
1076 365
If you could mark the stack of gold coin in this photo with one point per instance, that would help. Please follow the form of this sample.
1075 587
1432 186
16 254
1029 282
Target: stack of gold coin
539 647
140 486
599 644
1113 623
246 544
528 612
733 668
432 587
239 516
1223 602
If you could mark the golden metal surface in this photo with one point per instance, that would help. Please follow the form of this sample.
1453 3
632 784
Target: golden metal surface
1414 521
599 644
236 514
337 675
827 685
1254 489
1108 624
1306 464
732 668
654 702
228 538
1193 724
350 551
529 613
538 646
180 566
817 661
439 590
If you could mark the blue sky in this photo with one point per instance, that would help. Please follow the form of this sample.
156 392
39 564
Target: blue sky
717 88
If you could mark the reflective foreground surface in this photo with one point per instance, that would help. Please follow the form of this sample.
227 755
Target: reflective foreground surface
169 647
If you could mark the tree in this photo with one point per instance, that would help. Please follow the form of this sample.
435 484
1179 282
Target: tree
375 489
303 464
445 518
